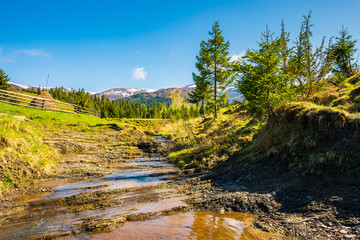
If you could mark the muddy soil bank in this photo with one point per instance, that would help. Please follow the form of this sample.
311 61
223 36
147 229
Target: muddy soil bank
320 207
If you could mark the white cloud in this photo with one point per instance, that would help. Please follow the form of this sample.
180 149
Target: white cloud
36 52
236 57
8 59
173 52
32 52
139 73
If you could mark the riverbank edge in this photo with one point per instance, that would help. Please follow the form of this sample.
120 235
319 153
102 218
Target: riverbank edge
318 207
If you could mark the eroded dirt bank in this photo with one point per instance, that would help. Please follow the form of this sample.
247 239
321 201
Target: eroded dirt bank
322 207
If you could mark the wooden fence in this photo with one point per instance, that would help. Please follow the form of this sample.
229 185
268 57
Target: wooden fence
25 100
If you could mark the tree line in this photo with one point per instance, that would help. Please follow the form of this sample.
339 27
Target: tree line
121 108
274 73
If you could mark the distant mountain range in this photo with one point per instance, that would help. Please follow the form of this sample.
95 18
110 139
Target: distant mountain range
26 86
142 95
116 93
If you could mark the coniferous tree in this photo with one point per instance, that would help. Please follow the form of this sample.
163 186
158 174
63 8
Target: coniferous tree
285 52
202 92
4 78
342 52
261 78
308 65
297 61
213 62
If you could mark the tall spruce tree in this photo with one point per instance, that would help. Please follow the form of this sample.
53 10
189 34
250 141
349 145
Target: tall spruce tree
213 63
261 79
202 92
4 78
285 51
309 65
342 52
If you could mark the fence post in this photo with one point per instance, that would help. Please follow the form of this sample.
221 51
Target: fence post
25 100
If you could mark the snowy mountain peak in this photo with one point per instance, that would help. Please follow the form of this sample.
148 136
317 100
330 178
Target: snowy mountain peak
116 93
26 86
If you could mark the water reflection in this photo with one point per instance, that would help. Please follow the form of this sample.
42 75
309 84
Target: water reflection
190 225
214 226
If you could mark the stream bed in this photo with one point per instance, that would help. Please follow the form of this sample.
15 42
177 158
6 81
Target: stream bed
132 203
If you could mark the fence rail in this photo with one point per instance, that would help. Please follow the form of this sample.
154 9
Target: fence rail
25 100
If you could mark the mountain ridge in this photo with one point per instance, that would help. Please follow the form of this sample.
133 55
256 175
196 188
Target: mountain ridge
137 93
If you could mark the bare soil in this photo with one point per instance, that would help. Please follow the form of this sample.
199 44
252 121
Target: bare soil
320 207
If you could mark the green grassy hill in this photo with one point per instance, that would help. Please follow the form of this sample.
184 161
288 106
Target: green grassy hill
23 155
310 136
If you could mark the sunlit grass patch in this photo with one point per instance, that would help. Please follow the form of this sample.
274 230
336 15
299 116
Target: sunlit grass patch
23 155
203 144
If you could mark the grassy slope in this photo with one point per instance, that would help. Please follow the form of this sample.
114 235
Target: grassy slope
204 143
23 155
309 136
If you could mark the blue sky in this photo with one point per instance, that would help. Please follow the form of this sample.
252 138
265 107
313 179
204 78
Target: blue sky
98 45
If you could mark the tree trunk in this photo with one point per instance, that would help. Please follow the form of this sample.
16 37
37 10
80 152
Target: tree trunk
215 98
215 89
203 108
272 115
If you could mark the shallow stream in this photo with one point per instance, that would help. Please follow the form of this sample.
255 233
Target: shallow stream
96 209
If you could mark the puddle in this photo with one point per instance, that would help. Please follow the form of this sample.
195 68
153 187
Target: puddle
192 225
185 225
140 172
32 198
161 139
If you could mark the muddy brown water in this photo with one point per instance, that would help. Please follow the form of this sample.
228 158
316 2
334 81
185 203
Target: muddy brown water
96 209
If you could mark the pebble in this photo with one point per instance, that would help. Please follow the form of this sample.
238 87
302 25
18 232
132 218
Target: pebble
343 231
350 236
323 226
